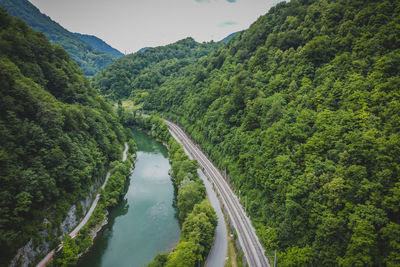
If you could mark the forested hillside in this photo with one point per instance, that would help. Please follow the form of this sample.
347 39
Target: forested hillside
143 72
302 110
91 60
57 137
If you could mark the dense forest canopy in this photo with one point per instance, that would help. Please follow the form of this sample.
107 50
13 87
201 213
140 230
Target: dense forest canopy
143 72
57 136
89 58
302 110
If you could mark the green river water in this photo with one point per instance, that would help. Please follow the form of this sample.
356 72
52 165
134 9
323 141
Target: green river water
143 223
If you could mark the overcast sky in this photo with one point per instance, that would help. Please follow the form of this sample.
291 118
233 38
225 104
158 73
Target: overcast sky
129 25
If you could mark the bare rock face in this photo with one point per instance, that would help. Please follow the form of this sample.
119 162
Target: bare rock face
28 253
69 221
24 255
86 203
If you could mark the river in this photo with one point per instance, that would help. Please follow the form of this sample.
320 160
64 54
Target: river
143 223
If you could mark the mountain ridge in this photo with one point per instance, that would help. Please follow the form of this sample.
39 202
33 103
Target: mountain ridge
99 44
57 139
88 58
169 58
229 37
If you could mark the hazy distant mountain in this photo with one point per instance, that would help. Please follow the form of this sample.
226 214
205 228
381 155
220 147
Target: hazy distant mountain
229 37
88 58
99 44
143 49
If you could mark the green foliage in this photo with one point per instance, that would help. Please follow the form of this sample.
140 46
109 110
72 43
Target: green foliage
302 111
90 57
69 252
199 226
57 135
115 187
189 194
196 215
183 255
159 261
143 72
295 256
132 146
83 240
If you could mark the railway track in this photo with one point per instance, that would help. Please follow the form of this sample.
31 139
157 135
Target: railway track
250 244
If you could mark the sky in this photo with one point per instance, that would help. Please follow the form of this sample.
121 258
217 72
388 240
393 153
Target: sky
129 25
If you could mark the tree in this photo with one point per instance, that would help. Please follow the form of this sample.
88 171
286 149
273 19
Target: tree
362 246
189 195
183 255
295 256
318 50
159 261
198 227
69 252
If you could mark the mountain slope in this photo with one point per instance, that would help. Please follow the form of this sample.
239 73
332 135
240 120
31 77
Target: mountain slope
99 44
152 65
229 37
57 137
302 110
88 58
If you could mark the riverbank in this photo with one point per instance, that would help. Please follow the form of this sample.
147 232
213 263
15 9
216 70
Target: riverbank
144 222
74 244
196 215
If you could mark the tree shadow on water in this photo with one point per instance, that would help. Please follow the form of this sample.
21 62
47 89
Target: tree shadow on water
101 242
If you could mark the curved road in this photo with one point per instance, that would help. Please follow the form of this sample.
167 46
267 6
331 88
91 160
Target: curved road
249 242
85 219
216 256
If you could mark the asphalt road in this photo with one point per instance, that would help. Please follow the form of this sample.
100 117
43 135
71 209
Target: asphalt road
85 219
248 239
125 152
216 256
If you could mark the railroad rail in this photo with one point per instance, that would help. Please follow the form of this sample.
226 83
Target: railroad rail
248 240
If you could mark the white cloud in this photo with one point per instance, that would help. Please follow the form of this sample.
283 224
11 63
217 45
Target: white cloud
227 23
